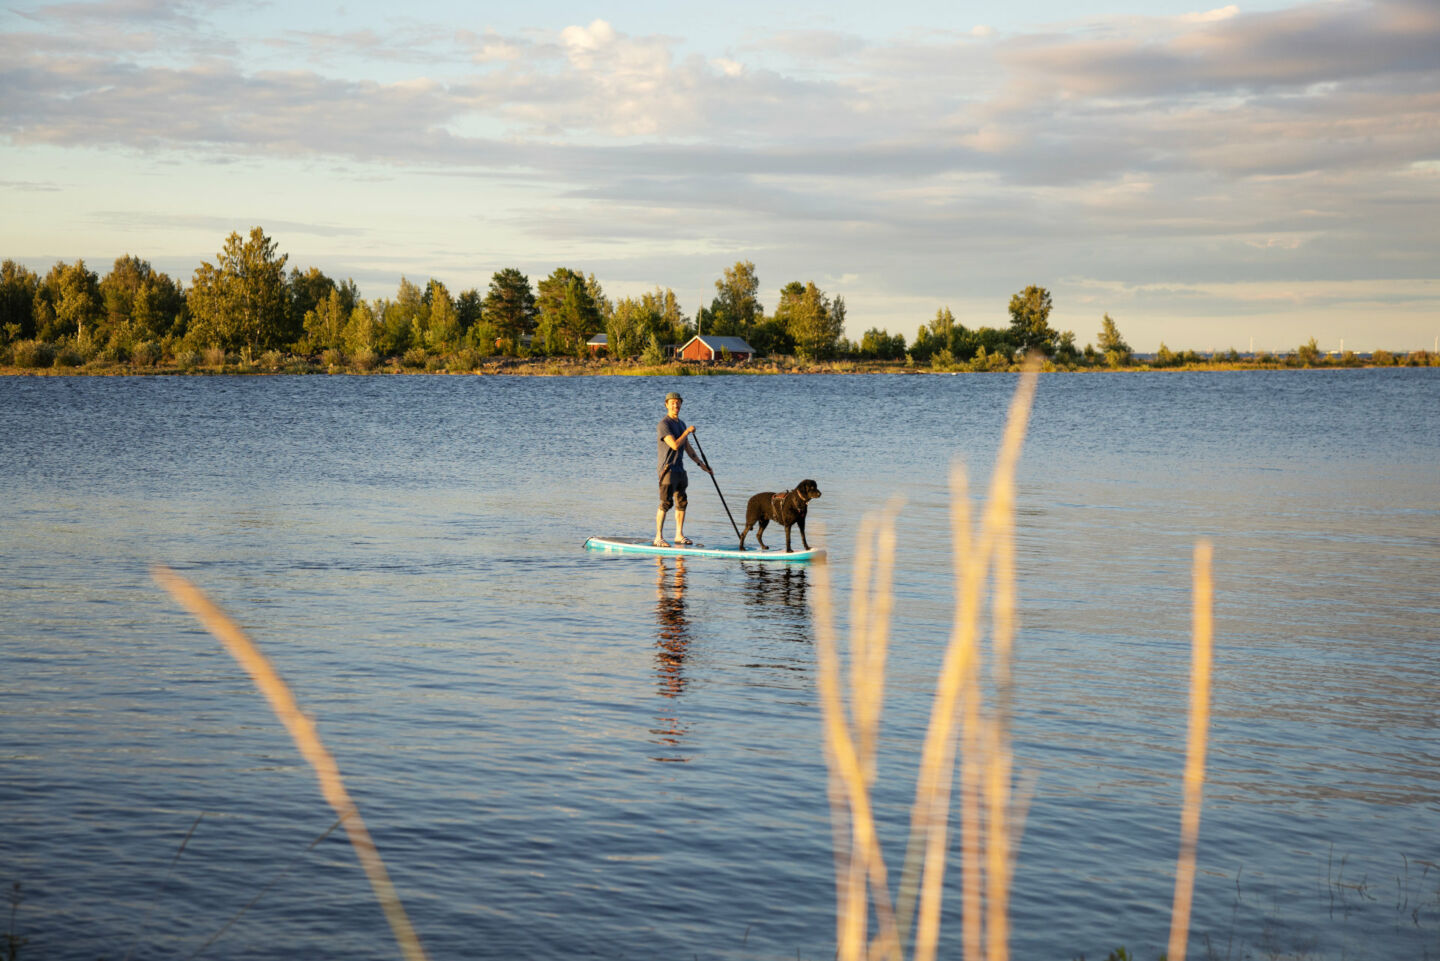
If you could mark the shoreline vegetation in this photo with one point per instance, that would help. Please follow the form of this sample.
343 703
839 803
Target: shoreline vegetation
244 314
269 364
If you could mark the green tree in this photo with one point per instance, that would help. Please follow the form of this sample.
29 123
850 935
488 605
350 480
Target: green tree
325 323
675 327
242 299
942 328
1109 338
402 320
469 308
879 345
442 322
1308 354
811 318
602 303
1029 320
769 336
1112 345
632 325
568 314
362 331
18 287
510 307
69 303
307 291
925 345
736 307
1065 349
140 304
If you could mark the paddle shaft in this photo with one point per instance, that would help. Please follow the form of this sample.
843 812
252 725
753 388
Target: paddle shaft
711 471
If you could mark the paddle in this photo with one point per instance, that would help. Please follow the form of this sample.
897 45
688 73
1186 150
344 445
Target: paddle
711 470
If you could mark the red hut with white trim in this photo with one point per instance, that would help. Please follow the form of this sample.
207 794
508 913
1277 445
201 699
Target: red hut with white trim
706 347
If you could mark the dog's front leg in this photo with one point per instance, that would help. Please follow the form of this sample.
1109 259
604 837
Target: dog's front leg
801 523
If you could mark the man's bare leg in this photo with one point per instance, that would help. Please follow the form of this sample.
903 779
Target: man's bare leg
659 524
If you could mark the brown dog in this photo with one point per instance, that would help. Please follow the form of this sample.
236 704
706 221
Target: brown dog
786 507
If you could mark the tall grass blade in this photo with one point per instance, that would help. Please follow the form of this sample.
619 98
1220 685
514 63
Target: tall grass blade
302 730
1200 658
864 868
955 723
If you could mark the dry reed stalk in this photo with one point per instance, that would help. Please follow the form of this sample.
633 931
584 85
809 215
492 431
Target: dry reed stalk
851 753
865 860
986 786
302 730
1200 659
998 758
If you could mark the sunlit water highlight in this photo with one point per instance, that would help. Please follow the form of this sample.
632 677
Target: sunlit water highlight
563 754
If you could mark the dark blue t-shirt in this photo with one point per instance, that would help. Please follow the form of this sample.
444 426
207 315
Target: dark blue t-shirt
670 460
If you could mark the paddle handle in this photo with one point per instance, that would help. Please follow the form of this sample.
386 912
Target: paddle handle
706 461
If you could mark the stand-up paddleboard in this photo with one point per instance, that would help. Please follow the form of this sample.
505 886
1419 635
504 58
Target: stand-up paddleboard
641 545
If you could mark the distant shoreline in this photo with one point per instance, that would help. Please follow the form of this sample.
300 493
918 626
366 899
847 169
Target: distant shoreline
571 367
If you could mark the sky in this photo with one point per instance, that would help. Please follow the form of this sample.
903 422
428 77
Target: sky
1249 176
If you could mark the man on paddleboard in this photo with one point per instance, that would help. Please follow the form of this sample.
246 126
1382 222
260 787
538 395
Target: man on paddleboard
673 440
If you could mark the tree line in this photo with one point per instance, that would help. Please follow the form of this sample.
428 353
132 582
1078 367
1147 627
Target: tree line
246 303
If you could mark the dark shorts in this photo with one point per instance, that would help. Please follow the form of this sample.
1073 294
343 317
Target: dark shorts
674 484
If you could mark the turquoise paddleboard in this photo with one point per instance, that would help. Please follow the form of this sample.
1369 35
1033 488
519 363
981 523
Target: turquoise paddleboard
642 545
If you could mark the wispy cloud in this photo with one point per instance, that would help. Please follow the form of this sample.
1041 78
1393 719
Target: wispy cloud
219 224
31 186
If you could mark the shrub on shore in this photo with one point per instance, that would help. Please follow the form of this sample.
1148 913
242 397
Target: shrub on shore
147 353
33 354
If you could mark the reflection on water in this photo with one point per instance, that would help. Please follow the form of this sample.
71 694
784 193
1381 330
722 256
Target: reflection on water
779 595
672 642
782 584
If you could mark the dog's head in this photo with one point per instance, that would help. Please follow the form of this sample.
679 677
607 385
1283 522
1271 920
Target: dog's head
808 490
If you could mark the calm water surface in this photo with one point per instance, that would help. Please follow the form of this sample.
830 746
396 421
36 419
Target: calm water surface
564 754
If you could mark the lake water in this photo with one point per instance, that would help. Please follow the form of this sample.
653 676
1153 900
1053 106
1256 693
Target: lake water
564 754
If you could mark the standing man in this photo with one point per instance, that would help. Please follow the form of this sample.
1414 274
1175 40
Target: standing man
672 434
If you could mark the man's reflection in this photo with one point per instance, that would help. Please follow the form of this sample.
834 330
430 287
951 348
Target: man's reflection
671 644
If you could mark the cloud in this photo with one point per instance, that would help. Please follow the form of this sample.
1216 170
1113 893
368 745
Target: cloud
221 225
1228 53
1298 143
126 27
30 186
117 11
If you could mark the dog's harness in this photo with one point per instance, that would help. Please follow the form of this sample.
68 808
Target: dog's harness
780 499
